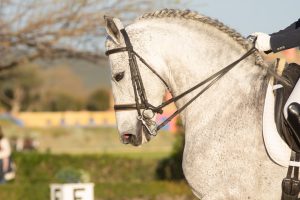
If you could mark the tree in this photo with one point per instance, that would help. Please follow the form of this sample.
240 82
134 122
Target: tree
51 28
99 100
19 87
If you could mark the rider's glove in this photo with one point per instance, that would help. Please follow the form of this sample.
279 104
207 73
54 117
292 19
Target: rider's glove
262 41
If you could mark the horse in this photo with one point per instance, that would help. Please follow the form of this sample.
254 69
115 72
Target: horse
224 154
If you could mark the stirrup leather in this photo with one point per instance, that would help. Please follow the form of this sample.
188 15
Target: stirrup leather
291 185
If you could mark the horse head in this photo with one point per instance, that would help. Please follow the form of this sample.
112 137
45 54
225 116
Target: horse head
136 89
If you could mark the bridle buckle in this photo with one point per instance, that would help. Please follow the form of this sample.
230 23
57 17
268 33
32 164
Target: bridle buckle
149 124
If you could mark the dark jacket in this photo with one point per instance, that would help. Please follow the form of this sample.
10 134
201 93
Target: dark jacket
287 38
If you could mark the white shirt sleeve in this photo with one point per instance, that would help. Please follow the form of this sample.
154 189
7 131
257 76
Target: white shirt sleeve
5 150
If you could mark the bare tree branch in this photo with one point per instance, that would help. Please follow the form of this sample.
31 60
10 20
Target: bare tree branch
54 29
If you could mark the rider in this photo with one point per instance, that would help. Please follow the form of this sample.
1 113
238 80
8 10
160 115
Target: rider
285 39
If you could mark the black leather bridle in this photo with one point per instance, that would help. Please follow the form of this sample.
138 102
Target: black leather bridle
141 102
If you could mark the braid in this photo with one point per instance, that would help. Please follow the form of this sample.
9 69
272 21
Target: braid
191 15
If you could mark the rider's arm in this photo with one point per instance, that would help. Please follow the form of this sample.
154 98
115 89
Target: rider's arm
281 40
287 38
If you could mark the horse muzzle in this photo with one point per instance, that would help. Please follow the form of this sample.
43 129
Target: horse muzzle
136 137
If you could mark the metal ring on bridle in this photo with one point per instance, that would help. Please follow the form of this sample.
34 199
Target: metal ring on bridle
146 116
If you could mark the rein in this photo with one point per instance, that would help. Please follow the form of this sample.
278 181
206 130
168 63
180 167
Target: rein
141 102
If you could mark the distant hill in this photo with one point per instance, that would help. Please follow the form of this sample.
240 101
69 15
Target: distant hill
91 76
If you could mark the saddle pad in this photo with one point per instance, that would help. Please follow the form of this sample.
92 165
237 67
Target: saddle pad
276 147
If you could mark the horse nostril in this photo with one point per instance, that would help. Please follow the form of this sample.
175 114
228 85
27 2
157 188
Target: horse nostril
126 136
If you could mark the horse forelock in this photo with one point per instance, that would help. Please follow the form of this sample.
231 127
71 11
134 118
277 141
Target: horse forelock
195 16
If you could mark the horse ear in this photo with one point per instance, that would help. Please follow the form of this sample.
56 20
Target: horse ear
113 27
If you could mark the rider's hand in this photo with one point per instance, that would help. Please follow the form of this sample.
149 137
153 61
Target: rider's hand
262 41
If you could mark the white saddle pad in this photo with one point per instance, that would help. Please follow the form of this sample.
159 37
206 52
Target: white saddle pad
276 147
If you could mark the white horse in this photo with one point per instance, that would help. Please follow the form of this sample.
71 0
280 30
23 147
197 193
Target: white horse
224 155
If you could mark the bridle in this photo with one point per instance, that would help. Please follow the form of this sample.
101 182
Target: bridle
141 102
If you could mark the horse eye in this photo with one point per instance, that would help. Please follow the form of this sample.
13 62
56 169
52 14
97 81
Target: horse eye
119 76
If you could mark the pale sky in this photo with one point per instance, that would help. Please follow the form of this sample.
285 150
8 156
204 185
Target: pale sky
249 16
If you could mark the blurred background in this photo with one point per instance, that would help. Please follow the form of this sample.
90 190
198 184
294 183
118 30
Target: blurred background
56 102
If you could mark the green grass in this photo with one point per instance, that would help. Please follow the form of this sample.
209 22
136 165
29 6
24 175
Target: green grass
104 191
115 177
36 167
140 155
119 172
149 190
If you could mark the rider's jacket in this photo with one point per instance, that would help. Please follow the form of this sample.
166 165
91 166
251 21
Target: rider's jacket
286 38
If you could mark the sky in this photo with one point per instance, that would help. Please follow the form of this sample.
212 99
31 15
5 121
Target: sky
248 16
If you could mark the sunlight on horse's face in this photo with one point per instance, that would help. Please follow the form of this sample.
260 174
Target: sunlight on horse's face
130 129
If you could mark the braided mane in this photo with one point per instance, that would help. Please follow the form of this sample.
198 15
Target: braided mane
191 15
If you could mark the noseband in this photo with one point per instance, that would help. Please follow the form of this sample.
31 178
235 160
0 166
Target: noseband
141 102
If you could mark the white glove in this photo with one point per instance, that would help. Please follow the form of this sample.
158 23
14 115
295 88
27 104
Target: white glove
262 42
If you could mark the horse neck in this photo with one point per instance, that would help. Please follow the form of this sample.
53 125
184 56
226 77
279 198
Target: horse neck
192 54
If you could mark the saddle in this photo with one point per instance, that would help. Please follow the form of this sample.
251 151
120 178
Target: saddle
286 128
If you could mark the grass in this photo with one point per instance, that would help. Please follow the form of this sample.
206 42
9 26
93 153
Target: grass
119 172
156 190
140 155
149 190
115 177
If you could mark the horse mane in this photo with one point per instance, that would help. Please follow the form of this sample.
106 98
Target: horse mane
192 15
